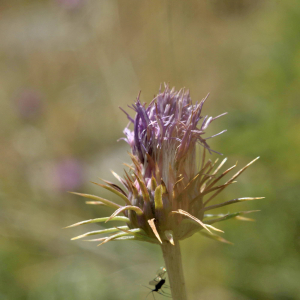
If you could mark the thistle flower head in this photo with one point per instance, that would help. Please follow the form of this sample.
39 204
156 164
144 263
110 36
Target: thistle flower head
166 133
166 194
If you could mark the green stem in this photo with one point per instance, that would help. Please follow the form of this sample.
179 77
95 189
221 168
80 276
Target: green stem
173 264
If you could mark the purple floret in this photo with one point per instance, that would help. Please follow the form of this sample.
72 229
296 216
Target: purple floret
169 123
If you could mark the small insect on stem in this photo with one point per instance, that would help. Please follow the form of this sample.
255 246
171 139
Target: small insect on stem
159 283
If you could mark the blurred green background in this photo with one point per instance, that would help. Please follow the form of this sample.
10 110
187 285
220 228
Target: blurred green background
65 68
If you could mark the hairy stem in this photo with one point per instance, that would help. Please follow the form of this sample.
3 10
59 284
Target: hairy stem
173 263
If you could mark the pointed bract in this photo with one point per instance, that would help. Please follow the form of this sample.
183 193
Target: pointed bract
165 189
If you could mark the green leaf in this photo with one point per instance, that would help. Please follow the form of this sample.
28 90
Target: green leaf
111 189
93 197
229 216
192 218
98 220
231 202
134 232
127 207
135 238
215 237
107 230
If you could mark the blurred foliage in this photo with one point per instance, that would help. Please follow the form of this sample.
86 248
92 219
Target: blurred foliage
66 66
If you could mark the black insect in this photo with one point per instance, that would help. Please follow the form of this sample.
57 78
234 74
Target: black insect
159 283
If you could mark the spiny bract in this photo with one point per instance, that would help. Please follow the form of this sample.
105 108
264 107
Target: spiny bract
167 191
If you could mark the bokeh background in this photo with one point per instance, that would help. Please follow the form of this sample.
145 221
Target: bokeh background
65 68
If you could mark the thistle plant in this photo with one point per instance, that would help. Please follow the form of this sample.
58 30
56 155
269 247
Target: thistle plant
169 187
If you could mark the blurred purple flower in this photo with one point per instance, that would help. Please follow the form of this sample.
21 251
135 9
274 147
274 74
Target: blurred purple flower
68 174
29 104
